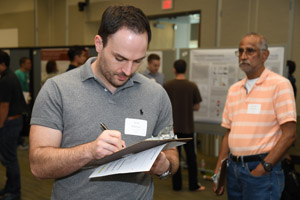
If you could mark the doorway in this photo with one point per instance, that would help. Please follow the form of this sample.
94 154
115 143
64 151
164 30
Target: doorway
174 31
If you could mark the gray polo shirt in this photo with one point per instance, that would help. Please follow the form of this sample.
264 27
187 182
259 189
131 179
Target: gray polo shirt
76 102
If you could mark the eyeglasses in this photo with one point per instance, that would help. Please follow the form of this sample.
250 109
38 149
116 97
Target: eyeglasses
248 51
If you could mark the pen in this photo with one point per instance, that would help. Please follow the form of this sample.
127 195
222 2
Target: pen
105 128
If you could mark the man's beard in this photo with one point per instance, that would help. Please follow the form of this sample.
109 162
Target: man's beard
109 76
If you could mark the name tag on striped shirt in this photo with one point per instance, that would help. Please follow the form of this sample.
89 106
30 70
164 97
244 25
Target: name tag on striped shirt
254 108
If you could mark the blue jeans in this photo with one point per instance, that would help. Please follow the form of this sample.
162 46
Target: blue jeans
241 185
9 134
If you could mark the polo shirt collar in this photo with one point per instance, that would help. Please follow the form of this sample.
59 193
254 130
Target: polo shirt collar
260 80
263 76
87 73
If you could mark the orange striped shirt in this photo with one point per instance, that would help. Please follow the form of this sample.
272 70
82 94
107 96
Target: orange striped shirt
254 119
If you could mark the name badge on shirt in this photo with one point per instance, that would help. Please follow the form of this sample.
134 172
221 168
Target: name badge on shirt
135 127
254 108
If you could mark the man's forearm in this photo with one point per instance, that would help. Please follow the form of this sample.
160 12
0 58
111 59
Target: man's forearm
4 107
224 150
284 143
52 162
196 107
172 156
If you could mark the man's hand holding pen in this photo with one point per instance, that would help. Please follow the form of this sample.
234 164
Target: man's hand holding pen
108 142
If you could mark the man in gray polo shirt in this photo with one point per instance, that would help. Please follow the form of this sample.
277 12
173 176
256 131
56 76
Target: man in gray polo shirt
65 132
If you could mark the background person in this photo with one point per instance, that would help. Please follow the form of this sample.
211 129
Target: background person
23 74
12 104
291 69
260 118
152 72
65 132
51 69
77 56
24 77
185 98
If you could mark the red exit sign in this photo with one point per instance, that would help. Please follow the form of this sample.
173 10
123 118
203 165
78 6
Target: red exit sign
167 4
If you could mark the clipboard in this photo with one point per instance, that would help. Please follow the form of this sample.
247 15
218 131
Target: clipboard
222 176
138 147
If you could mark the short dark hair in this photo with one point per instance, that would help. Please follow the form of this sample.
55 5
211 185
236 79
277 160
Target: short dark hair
117 17
180 66
75 51
4 58
153 57
291 66
23 60
51 66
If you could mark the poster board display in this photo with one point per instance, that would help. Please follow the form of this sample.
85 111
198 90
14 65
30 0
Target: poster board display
215 70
